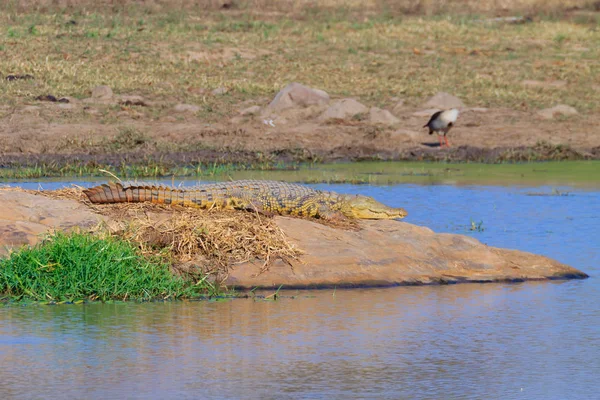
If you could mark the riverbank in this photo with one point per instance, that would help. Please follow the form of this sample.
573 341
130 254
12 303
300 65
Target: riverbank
208 94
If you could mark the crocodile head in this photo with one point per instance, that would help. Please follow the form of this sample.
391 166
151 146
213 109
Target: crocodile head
364 207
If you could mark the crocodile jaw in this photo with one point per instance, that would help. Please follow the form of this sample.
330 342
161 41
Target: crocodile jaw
363 207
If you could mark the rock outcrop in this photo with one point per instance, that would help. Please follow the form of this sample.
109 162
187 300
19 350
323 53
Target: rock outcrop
296 95
388 253
25 216
380 253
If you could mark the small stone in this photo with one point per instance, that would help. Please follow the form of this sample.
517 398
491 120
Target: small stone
132 100
560 109
102 92
219 91
443 100
91 111
185 108
296 95
31 109
398 107
383 117
342 109
254 110
542 84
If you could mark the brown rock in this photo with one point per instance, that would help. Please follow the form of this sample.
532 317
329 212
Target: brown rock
66 106
24 216
383 117
561 109
132 100
219 91
296 95
343 109
387 253
444 101
186 108
102 92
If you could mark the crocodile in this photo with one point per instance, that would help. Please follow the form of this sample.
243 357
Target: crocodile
266 197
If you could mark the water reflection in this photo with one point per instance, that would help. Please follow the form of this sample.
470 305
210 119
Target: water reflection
463 341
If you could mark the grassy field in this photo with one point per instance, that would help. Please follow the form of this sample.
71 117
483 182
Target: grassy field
375 52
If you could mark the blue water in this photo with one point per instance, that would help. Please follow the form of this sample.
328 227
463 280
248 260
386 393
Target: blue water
534 340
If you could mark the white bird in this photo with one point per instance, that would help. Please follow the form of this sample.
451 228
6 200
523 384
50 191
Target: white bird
441 122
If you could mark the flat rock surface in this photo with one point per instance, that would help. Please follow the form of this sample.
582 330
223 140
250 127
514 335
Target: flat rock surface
24 216
387 253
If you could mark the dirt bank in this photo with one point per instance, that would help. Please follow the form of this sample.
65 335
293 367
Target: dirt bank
28 139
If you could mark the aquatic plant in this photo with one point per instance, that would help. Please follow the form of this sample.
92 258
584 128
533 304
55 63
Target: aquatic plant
477 226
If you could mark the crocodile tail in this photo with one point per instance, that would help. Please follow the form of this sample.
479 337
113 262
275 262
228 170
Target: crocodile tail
113 192
117 192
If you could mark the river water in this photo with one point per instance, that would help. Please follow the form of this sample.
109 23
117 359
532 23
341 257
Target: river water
534 340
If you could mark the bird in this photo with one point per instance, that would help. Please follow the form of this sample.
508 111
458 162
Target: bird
441 122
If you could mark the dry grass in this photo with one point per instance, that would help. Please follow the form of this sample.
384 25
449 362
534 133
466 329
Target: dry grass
198 243
295 7
373 53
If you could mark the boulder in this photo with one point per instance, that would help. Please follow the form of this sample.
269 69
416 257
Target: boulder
296 95
102 92
383 117
444 101
343 109
561 109
25 216
389 253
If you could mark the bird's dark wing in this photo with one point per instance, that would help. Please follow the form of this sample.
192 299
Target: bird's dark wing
433 118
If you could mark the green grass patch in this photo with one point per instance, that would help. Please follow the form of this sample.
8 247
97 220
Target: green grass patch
81 267
568 173
150 169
